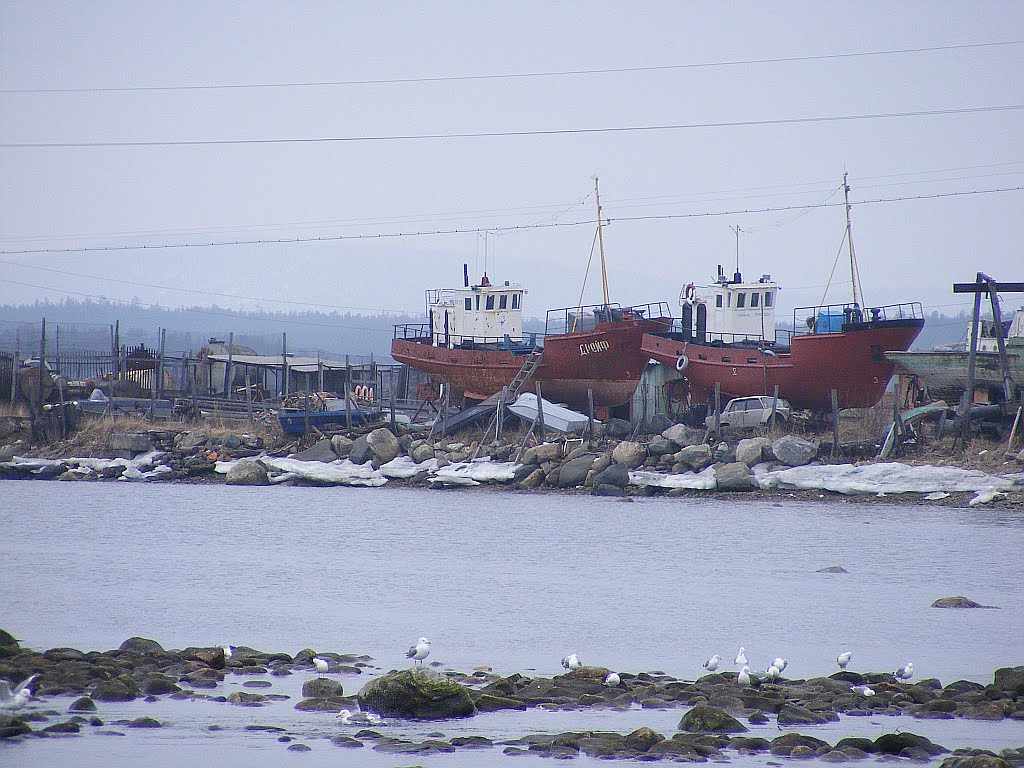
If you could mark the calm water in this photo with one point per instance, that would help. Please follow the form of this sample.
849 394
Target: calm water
513 581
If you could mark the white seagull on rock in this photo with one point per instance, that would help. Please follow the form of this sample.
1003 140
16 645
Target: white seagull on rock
780 664
349 717
905 672
320 665
612 680
420 651
18 698
712 664
741 657
772 673
863 690
229 651
571 662
743 678
843 659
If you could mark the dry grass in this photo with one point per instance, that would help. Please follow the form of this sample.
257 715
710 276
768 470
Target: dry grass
16 409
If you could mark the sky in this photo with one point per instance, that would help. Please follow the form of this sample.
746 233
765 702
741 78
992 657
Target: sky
110 196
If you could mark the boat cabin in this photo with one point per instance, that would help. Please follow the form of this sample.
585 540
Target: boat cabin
481 313
731 309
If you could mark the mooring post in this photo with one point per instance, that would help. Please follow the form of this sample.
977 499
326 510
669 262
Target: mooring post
348 391
540 415
972 353
718 409
590 416
391 388
117 351
14 366
42 366
1013 429
835 423
228 372
775 408
248 395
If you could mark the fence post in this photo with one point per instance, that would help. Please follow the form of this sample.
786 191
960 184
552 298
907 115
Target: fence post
117 352
284 365
835 423
718 409
590 416
540 415
394 426
348 390
775 408
228 378
42 365
14 366
248 395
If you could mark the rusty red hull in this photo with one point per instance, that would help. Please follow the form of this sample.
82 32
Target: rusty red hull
607 360
851 362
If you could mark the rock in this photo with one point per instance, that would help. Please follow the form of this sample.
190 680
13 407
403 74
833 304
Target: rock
247 473
723 453
69 726
613 474
794 451
341 446
974 761
752 450
490 703
7 453
683 436
618 428
856 742
82 704
642 739
957 602
894 743
659 446
145 722
346 741
539 454
606 489
534 480
129 442
299 748
211 657
416 694
140 645
7 640
321 450
189 441
734 477
114 690
159 685
574 472
322 688
71 475
791 714
629 453
785 744
696 457
832 569
383 445
1010 679
706 719
243 699
422 452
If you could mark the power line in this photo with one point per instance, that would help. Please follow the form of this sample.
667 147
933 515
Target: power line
509 134
518 75
503 228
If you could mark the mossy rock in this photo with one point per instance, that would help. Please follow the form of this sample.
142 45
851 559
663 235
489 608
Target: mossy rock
705 719
416 694
7 639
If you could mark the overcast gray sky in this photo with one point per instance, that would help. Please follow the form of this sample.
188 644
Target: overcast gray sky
72 197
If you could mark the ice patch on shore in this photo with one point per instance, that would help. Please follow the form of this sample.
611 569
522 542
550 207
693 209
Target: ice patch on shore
403 467
332 473
890 477
481 470
697 481
139 468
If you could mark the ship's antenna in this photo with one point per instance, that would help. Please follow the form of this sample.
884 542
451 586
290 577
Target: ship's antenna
854 269
600 242
737 230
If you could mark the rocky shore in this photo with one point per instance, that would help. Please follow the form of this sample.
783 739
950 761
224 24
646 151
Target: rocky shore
677 462
717 714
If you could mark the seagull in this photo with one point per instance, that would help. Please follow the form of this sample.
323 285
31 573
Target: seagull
905 672
863 690
843 659
571 662
743 678
18 698
712 664
780 664
741 657
420 651
612 680
320 665
772 673
229 651
349 717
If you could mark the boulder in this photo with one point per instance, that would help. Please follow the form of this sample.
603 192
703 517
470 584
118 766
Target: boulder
752 450
659 446
533 480
539 454
617 428
190 441
957 602
322 688
574 472
7 453
212 657
629 453
683 436
791 714
1010 679
794 451
82 704
696 457
706 719
360 452
894 743
115 690
614 474
243 699
247 473
422 452
723 453
159 685
321 450
417 694
129 442
383 445
785 744
642 739
734 477
341 446
602 462
974 761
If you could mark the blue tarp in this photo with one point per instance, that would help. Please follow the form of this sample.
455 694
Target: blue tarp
829 322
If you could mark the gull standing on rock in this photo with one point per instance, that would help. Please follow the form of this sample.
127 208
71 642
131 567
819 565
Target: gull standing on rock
18 698
863 690
358 718
420 651
571 662
612 680
741 657
772 673
743 678
712 664
905 672
843 659
320 665
229 651
780 664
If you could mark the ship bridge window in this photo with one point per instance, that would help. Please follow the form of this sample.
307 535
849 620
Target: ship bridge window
478 301
767 298
469 303
728 299
490 301
718 300
741 300
503 302
515 301
754 298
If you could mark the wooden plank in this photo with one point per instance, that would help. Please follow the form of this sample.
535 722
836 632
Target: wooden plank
590 416
540 415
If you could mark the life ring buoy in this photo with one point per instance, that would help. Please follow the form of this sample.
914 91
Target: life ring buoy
681 362
690 293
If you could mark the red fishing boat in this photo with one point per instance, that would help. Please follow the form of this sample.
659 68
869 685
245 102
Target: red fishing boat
727 336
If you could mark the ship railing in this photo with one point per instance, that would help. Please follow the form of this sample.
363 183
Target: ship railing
684 331
582 318
837 318
422 333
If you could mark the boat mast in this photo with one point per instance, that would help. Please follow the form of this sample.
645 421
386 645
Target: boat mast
854 272
737 230
600 243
